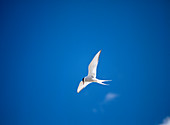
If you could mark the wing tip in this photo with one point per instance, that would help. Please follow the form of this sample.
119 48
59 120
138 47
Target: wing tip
78 91
99 54
80 87
100 51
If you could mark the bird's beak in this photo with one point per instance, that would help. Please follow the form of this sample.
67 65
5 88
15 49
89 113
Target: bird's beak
80 87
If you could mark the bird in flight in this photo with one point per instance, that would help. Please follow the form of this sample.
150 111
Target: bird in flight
91 77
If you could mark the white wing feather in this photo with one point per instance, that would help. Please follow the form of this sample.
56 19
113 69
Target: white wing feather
82 86
93 65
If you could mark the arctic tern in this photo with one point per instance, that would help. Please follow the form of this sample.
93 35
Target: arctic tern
91 77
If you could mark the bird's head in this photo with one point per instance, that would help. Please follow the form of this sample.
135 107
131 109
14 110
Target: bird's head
82 80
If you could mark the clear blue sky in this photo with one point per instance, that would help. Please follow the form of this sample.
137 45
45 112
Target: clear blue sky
45 49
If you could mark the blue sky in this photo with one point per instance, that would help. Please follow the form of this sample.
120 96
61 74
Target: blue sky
45 50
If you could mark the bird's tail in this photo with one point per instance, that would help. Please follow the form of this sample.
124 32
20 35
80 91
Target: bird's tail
101 82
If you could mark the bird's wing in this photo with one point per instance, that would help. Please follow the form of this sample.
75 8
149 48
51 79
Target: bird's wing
81 86
93 65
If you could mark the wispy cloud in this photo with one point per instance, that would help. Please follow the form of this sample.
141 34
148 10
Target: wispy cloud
166 121
94 110
108 98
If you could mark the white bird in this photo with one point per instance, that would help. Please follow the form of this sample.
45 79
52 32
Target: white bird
91 77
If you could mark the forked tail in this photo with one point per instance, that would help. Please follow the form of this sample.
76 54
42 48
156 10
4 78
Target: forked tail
101 82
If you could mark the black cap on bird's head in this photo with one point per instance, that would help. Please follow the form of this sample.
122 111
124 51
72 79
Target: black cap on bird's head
83 80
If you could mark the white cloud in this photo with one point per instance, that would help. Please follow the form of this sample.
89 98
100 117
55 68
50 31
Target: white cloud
166 121
109 96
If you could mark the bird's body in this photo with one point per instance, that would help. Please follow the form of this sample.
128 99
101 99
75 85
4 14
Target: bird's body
91 77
